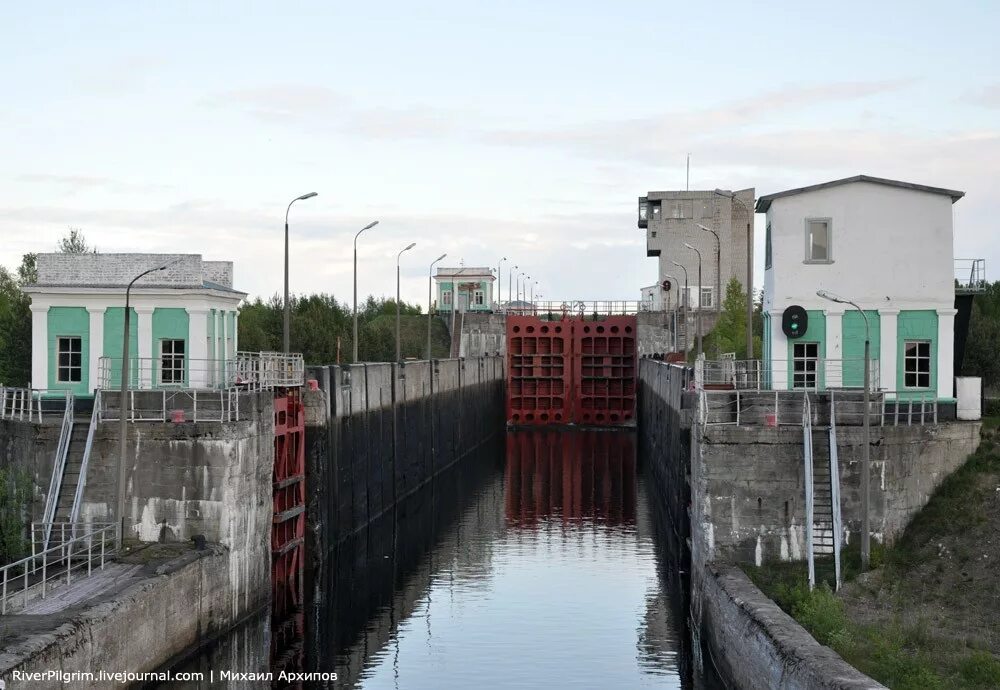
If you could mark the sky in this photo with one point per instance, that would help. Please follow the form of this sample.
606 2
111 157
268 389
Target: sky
514 129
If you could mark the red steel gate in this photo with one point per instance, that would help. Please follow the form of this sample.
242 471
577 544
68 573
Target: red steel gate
288 523
571 371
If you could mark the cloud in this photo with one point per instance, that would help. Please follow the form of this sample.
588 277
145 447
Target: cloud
87 183
281 103
988 96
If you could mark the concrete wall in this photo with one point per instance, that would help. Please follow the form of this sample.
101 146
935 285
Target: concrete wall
483 335
761 647
140 629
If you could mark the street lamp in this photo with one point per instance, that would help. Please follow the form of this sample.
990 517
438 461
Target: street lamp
866 455
749 327
286 329
667 275
718 270
122 425
685 303
533 295
510 280
406 249
430 283
517 286
699 296
497 290
354 347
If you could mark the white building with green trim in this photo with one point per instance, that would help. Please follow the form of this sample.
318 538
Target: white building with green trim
884 244
471 287
182 321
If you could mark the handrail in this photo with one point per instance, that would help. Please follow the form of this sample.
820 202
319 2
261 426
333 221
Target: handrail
16 402
246 370
81 480
59 463
807 448
41 569
835 494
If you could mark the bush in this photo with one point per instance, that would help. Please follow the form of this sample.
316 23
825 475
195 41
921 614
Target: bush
15 489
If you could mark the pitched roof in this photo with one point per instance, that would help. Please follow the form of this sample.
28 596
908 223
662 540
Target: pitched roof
764 202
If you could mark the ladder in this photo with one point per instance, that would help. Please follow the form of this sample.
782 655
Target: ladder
822 489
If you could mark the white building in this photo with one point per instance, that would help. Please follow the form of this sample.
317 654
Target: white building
473 285
182 320
884 244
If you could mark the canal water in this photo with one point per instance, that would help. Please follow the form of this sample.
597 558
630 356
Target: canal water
537 565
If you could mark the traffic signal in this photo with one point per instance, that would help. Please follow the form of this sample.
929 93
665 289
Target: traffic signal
794 322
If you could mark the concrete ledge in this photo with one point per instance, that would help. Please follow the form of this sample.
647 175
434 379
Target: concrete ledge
757 645
137 629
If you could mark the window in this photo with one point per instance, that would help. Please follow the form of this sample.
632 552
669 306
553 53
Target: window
805 357
479 297
652 233
818 240
707 295
680 208
172 361
767 247
446 297
917 364
654 210
70 353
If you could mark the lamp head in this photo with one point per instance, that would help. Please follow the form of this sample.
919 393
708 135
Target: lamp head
411 246
689 246
703 227
440 257
310 195
722 192
370 226
830 296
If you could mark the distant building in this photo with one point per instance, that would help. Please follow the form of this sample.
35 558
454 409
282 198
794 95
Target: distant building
671 219
884 244
471 287
182 322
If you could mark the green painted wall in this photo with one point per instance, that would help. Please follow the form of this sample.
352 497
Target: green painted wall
69 321
917 324
483 285
170 323
853 335
766 346
113 317
815 333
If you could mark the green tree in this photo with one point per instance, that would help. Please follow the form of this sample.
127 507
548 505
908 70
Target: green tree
729 333
75 243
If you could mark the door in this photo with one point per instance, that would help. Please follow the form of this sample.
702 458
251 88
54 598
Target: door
463 301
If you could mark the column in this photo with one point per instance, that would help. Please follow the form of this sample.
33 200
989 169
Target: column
779 354
236 333
199 366
833 368
224 351
145 364
888 348
946 353
96 346
39 346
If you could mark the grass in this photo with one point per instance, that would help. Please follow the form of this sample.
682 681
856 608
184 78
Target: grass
924 618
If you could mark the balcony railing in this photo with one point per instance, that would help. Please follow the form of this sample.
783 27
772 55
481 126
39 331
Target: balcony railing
797 374
970 276
249 371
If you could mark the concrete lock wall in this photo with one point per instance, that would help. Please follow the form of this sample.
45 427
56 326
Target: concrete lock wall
483 335
379 432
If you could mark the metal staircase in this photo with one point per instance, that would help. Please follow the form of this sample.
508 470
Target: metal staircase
822 488
58 467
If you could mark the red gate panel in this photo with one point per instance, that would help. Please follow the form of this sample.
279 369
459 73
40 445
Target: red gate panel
538 371
604 371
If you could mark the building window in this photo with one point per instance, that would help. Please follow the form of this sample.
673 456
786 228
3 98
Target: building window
917 364
70 353
654 210
707 297
767 247
652 233
479 298
818 240
805 358
680 208
446 297
172 361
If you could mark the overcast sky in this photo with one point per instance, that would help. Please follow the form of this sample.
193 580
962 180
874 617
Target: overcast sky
481 129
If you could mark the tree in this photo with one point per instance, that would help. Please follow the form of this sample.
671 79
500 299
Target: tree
729 333
75 243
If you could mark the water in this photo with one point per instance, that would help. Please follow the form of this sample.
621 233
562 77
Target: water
536 565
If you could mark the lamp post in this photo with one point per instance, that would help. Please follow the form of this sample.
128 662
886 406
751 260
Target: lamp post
354 347
510 280
410 246
866 454
286 327
675 282
718 269
430 283
517 286
533 296
746 209
498 279
685 302
122 424
699 296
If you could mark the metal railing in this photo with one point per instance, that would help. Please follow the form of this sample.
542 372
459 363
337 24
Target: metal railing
28 404
970 276
776 408
247 371
59 463
577 307
807 461
187 405
799 374
66 557
81 480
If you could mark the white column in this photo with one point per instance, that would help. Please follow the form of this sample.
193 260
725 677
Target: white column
96 345
946 353
197 348
833 374
224 351
888 347
145 349
236 333
39 346
779 354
